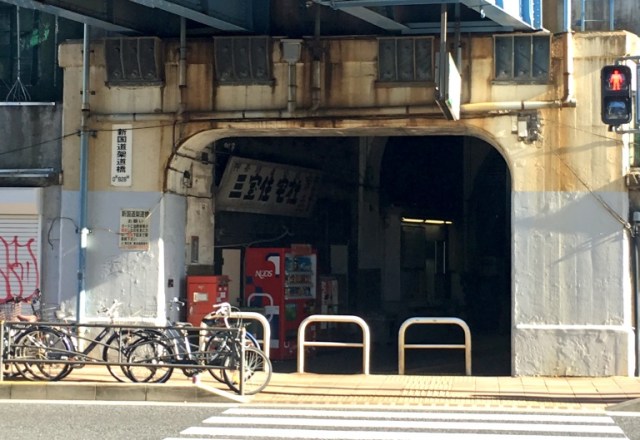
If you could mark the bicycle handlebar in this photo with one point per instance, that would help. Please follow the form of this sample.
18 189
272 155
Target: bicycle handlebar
224 309
222 306
35 296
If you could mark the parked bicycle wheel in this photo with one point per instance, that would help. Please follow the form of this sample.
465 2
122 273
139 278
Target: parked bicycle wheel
152 355
10 369
43 345
117 347
257 371
214 348
218 342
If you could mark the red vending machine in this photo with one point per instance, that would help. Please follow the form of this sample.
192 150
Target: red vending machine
202 293
282 282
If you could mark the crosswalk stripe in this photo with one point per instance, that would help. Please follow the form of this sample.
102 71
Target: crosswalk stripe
246 433
511 417
407 424
333 424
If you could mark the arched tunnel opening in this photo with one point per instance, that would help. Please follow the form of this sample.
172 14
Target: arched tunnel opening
401 226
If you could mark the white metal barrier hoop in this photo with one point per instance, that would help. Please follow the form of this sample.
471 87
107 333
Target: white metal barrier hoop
456 321
365 344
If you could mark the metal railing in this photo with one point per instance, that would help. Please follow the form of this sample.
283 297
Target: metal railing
79 345
365 344
402 346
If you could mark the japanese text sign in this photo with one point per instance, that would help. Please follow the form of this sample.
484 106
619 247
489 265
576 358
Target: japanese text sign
249 185
134 229
121 156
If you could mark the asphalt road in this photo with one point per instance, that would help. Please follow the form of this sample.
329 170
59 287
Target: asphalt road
29 420
92 420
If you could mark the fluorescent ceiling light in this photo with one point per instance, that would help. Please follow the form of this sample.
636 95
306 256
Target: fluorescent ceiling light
426 221
412 220
438 222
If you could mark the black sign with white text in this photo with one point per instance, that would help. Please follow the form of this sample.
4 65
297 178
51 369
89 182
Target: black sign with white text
249 185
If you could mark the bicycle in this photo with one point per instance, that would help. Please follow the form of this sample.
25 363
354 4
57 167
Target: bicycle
43 344
28 341
35 350
11 311
154 359
219 317
181 340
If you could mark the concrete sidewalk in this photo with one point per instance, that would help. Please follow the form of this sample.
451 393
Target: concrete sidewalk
543 393
453 391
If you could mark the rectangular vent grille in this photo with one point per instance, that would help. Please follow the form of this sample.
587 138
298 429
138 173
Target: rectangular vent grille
134 61
243 60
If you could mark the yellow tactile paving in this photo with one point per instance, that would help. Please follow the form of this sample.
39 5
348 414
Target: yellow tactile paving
544 393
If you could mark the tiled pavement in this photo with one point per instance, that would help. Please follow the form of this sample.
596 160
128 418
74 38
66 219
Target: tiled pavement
544 393
452 391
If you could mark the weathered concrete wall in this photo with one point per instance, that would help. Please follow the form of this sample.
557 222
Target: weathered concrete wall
31 136
570 271
572 295
626 14
142 280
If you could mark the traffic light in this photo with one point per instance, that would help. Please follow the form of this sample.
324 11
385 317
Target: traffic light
617 104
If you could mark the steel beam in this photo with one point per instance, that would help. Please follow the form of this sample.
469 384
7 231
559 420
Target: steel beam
491 9
132 16
54 7
465 27
495 12
343 4
376 19
198 15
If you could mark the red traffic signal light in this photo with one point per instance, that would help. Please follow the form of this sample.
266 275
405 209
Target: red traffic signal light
615 86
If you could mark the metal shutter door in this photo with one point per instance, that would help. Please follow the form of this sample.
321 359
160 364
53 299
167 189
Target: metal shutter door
19 255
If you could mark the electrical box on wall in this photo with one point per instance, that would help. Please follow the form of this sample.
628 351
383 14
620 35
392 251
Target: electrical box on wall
202 293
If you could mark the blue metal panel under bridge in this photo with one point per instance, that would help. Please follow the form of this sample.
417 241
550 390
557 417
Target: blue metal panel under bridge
422 16
159 17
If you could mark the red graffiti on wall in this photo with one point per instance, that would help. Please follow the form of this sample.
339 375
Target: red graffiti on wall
18 269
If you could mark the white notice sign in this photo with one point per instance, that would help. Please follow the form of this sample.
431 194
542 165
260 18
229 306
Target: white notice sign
134 229
121 157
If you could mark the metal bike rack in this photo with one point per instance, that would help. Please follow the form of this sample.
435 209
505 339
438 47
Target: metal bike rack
74 356
365 344
456 321
107 348
266 328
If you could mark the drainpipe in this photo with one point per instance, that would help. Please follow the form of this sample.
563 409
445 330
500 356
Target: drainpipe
291 95
291 54
316 53
458 39
510 106
84 160
569 98
182 66
393 111
316 88
245 115
635 263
